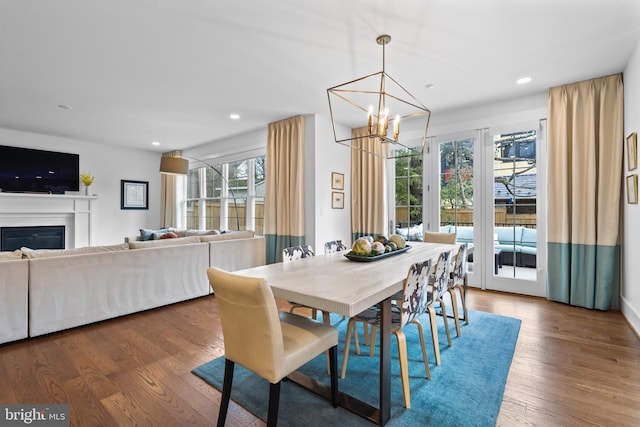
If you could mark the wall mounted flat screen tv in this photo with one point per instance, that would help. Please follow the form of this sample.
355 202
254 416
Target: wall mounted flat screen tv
26 170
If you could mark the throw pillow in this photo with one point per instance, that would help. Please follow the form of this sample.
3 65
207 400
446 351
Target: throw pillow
4 256
169 235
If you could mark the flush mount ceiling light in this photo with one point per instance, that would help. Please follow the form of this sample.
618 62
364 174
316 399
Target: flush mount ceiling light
523 80
370 102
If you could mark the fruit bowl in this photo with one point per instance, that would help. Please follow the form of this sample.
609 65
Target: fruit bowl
360 258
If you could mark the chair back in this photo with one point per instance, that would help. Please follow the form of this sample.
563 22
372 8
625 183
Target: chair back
334 246
250 322
414 294
433 237
441 276
459 267
296 252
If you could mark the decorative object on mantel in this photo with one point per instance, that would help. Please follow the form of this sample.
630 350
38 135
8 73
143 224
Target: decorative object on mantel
384 96
134 194
87 180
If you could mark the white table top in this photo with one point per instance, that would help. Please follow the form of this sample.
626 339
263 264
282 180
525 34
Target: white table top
333 283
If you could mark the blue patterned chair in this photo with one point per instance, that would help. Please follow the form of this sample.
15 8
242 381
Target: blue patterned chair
334 246
439 285
414 303
458 281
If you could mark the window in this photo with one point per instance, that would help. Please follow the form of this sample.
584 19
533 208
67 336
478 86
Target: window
456 183
227 196
408 203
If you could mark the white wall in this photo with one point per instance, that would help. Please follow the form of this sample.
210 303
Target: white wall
329 223
109 164
630 286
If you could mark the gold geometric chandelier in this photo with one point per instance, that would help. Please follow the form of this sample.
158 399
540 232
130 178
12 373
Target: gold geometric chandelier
378 104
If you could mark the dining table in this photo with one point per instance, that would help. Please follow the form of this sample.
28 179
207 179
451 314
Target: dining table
334 283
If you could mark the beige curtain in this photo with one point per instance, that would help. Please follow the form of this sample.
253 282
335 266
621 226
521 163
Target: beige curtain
168 202
368 201
585 144
284 193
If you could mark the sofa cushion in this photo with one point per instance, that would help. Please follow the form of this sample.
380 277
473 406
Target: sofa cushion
45 253
164 242
529 237
228 236
464 234
6 256
509 235
201 232
147 234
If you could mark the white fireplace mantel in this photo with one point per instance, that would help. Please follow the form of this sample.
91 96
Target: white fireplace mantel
74 211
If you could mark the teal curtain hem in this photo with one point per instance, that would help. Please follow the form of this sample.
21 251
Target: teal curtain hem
583 275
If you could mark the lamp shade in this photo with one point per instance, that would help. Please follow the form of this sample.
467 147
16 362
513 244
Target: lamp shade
174 165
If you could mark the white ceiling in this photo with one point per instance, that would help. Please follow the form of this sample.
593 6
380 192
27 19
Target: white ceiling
137 71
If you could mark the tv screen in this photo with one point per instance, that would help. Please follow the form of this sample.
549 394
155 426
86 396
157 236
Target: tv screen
26 170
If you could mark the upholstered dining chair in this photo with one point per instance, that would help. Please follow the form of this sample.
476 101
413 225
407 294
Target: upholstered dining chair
435 237
438 286
266 342
413 304
293 253
458 281
334 246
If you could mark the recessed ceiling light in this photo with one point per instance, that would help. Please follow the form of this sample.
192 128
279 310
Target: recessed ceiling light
430 86
523 80
65 107
234 116
156 143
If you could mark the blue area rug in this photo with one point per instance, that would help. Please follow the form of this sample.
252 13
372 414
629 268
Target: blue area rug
465 390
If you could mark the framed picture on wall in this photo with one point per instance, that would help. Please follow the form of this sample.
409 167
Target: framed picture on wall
632 151
337 200
134 194
632 189
337 181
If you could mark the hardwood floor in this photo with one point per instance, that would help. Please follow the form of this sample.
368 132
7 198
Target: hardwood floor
572 367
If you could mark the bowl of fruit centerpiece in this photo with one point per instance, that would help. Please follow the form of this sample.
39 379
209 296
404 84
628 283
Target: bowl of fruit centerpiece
369 248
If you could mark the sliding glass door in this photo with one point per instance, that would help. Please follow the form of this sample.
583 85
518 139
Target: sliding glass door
515 206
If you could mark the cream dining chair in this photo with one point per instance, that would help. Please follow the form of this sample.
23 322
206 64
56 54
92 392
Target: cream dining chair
269 343
435 237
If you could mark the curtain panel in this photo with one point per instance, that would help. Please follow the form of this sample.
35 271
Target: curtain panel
368 189
284 193
585 146
168 199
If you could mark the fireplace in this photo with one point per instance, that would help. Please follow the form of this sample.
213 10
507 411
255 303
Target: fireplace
34 237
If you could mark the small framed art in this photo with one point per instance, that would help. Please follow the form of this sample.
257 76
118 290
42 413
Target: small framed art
632 151
337 200
337 181
134 194
632 189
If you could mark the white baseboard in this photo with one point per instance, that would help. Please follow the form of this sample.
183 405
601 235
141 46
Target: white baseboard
632 316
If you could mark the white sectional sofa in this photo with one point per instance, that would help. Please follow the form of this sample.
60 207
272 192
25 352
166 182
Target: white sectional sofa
14 281
53 290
